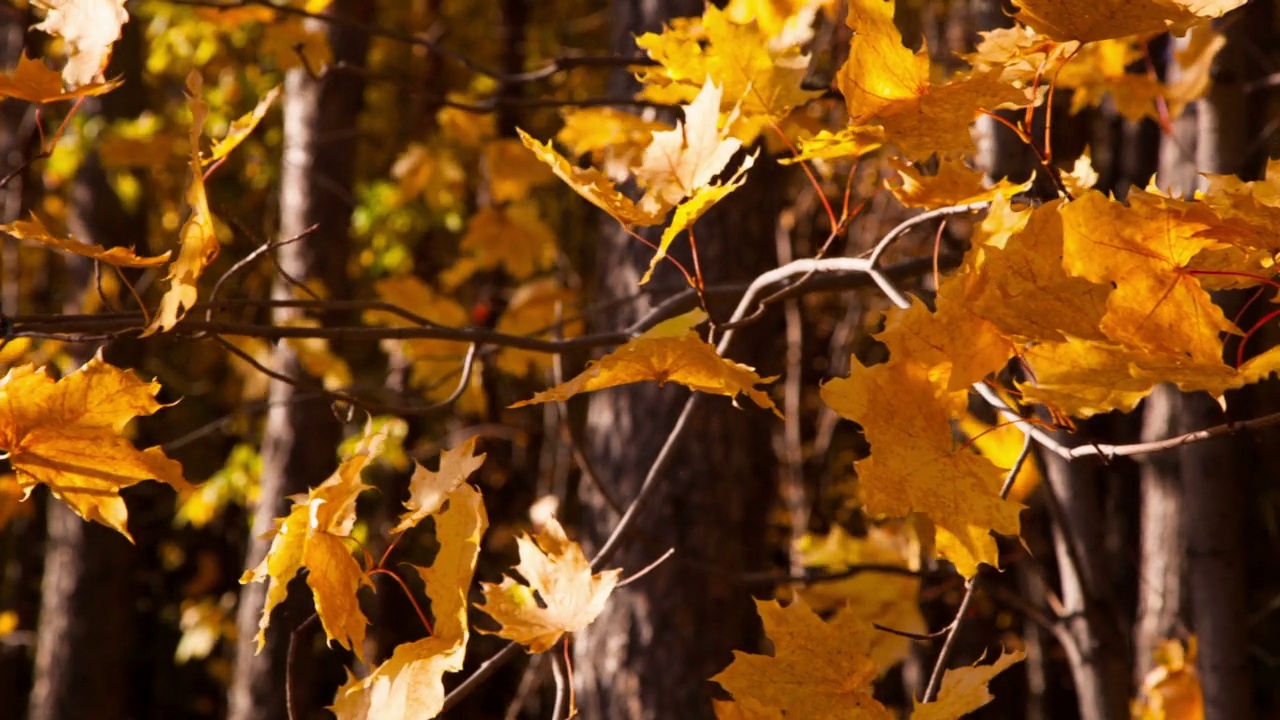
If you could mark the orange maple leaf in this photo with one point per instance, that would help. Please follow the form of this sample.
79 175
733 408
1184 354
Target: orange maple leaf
67 435
1063 19
35 83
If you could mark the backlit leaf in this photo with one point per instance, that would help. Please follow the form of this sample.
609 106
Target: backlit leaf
89 28
562 595
67 434
664 356
1064 20
964 690
34 231
35 83
817 670
429 489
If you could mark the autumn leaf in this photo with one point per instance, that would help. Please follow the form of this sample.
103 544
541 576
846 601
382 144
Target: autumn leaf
1063 20
884 599
1171 690
428 490
761 74
89 28
35 83
34 231
513 237
562 595
917 466
670 352
613 139
1143 251
242 127
953 183
818 671
849 142
964 690
511 172
410 683
597 188
689 211
11 500
884 80
316 535
198 239
67 434
1002 444
680 161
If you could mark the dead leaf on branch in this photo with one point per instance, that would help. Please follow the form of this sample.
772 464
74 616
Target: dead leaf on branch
35 83
34 231
315 535
670 352
562 595
89 28
819 670
67 434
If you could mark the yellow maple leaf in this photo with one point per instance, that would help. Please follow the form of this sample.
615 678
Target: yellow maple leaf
964 689
67 435
670 352
1101 68
881 598
198 239
852 141
762 74
1143 250
315 535
916 464
1063 19
532 313
614 139
429 489
957 345
818 669
34 231
513 237
596 187
241 127
35 83
690 210
680 161
954 183
410 683
562 596
1014 278
511 172
1248 212
89 28
1171 690
1021 54
883 79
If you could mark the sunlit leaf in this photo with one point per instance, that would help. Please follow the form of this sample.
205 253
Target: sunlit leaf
89 28
34 231
35 83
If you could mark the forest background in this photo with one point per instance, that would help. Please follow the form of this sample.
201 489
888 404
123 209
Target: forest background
991 283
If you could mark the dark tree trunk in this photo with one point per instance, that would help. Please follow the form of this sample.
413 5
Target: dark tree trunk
650 653
302 434
85 636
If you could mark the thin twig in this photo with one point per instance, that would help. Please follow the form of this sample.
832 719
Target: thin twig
647 568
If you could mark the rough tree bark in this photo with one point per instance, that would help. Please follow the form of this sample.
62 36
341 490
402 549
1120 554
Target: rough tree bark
1213 473
317 167
650 653
84 638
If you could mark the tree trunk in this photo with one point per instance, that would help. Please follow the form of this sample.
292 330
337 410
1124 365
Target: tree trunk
1213 476
650 653
84 638
301 437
